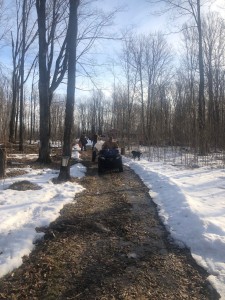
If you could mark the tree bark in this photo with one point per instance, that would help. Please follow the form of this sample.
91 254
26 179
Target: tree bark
2 161
71 48
201 107
44 149
21 133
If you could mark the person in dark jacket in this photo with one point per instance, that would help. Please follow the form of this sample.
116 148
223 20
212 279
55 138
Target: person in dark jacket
83 142
94 140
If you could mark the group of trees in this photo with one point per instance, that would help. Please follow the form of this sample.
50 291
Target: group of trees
45 37
157 100
158 97
164 98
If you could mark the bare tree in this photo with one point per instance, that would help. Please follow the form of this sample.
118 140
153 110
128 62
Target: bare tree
57 55
147 68
71 48
57 115
22 62
192 9
130 59
214 45
158 69
137 53
21 40
48 35
44 151
5 105
33 105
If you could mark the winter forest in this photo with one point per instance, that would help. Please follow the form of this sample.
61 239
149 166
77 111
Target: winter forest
159 94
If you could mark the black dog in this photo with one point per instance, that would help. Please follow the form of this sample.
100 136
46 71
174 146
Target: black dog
136 154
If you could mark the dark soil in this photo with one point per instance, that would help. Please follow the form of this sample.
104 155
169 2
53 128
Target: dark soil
108 244
24 185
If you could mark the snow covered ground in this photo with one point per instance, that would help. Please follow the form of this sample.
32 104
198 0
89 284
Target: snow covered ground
23 211
191 203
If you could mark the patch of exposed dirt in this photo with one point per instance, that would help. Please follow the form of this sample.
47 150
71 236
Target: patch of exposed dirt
108 244
24 185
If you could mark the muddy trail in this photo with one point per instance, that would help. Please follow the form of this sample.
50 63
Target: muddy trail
108 244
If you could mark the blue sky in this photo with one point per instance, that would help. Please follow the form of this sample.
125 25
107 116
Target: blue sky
135 15
139 16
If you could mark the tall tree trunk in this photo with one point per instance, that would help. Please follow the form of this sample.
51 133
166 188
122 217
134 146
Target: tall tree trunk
142 105
15 86
13 110
201 104
21 133
44 149
69 113
17 115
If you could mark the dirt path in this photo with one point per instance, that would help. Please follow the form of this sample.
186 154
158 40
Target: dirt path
110 244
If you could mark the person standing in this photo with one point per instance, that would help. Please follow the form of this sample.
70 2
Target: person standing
83 142
94 140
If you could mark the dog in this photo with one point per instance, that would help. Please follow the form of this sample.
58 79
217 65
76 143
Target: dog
136 154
